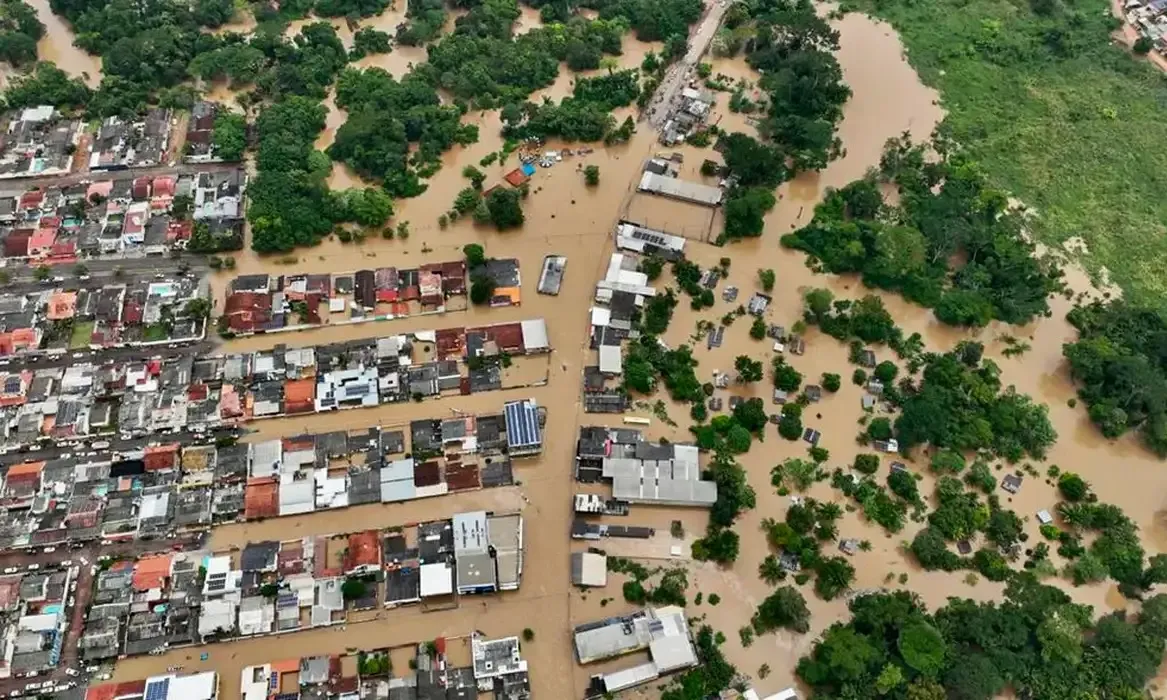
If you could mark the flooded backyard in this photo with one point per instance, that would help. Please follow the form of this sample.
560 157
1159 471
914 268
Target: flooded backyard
565 217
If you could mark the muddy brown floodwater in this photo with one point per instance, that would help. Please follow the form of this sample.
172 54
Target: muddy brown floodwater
57 46
568 218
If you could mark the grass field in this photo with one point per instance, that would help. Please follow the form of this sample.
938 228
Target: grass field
82 333
1072 125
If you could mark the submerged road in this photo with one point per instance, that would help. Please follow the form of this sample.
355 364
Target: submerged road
668 94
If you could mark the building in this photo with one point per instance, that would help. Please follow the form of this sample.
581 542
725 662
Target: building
38 142
668 474
664 632
524 433
493 658
645 241
589 569
475 567
195 686
674 188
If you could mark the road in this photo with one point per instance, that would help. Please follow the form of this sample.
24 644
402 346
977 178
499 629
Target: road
201 348
115 445
14 187
100 270
668 94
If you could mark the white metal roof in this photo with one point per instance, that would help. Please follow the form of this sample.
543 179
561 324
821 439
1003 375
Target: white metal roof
535 335
601 316
611 359
685 190
436 579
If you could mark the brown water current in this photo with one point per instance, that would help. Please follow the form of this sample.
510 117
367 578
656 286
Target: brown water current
568 218
57 46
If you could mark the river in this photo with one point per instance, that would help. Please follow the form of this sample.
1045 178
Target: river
57 46
566 217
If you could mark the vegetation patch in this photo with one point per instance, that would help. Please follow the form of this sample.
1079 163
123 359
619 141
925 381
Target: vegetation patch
1057 114
1037 642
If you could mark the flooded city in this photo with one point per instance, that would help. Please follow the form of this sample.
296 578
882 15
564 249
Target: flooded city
566 216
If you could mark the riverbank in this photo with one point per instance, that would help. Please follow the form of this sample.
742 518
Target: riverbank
1063 119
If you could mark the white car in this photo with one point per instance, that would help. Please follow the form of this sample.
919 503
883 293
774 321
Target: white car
33 567
72 672
49 550
11 570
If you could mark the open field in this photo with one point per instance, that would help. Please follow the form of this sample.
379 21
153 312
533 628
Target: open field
1066 121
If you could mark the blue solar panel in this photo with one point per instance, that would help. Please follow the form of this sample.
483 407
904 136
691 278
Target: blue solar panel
158 690
522 421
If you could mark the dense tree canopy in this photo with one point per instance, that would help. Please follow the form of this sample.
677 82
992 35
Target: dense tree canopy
1037 641
47 85
229 138
1120 364
19 32
385 117
952 244
290 203
963 407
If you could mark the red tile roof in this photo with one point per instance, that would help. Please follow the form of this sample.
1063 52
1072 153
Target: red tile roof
261 498
364 549
247 311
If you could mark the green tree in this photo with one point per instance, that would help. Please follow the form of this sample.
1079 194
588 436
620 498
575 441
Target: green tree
947 462
831 382
476 176
475 255
481 289
592 175
353 589
767 278
885 372
786 377
890 678
923 648
1072 487
784 608
506 211
833 575
748 370
866 463
229 136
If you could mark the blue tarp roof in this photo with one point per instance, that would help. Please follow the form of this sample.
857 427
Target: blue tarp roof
522 419
528 169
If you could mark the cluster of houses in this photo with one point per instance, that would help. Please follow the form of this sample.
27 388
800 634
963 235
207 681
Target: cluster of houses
132 313
265 303
1149 18
428 673
163 489
137 398
619 300
169 686
34 617
116 217
42 141
690 116
173 599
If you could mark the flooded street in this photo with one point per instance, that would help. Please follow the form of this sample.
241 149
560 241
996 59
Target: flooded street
565 217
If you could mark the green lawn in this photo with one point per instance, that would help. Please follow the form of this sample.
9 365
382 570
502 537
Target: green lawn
154 333
1073 126
81 335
